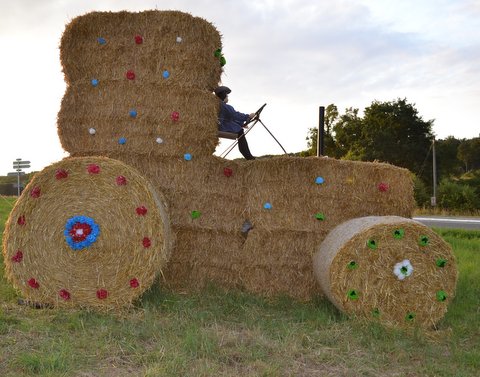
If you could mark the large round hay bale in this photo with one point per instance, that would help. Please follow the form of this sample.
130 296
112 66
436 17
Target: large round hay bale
88 232
387 267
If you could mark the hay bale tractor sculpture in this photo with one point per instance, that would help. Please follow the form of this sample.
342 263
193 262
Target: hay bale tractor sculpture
143 196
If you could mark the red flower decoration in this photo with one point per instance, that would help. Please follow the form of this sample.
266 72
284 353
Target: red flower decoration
134 283
17 258
130 75
227 172
93 169
121 180
35 192
61 173
175 116
21 220
138 39
146 242
141 211
102 294
64 294
383 187
80 231
33 283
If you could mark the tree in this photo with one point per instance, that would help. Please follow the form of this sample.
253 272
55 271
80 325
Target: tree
395 133
469 153
448 165
348 133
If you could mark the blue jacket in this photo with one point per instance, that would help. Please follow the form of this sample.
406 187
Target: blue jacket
229 119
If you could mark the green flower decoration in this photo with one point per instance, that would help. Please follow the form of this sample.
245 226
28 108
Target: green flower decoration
223 61
218 53
441 262
441 296
320 216
410 317
423 241
352 265
398 234
353 294
195 214
372 244
376 313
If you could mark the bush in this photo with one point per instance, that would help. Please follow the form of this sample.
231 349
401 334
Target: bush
452 195
420 192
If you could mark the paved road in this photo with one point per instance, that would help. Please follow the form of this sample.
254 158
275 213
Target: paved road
469 223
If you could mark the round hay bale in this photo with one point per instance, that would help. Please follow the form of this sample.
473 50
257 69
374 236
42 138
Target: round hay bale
86 232
387 267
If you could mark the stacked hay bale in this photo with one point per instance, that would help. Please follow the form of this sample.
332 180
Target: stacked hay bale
140 84
293 204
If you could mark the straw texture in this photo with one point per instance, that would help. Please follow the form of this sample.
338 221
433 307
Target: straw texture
390 268
87 232
105 45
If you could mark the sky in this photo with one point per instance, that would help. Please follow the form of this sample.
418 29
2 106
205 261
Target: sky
294 55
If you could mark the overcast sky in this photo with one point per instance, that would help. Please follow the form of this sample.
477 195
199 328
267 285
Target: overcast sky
295 55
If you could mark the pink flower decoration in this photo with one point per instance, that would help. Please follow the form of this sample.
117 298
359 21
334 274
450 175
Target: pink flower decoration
61 174
64 294
141 211
130 75
102 294
21 220
134 283
35 192
33 283
17 258
121 180
146 242
228 172
175 116
383 187
138 39
93 169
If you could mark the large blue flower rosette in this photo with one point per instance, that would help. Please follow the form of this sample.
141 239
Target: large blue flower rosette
81 232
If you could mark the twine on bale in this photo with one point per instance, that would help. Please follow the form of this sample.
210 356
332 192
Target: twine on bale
397 281
105 45
95 234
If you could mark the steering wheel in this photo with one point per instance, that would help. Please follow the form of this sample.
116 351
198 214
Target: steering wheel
256 116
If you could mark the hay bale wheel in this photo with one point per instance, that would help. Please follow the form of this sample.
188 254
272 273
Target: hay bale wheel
387 267
86 232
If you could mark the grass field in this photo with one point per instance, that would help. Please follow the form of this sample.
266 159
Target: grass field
218 333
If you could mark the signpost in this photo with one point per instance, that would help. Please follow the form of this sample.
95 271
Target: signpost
18 165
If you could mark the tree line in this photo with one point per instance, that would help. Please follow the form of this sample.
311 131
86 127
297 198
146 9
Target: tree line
394 132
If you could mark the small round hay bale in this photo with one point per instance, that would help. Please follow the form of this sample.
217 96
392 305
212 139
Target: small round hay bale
86 232
387 267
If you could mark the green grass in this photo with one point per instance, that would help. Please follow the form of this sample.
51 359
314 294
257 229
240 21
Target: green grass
220 333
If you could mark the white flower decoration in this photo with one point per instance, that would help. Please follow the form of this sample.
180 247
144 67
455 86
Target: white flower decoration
179 39
92 131
403 269
159 140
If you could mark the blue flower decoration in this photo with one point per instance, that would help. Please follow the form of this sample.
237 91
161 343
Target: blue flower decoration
133 113
101 41
80 232
166 74
187 156
122 141
319 180
267 206
94 82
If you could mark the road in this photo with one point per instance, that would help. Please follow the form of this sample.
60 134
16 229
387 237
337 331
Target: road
468 223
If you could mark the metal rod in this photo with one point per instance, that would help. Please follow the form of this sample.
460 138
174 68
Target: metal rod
434 163
321 131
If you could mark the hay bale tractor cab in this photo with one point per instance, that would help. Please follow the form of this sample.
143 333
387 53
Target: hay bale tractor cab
142 195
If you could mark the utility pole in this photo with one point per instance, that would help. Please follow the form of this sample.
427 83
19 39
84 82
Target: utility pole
434 166
321 132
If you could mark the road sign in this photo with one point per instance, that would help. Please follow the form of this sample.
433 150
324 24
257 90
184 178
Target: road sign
16 173
21 164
